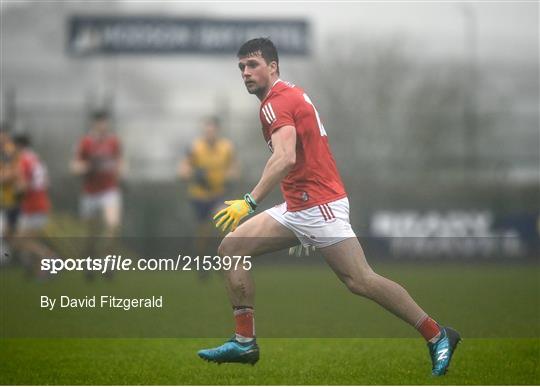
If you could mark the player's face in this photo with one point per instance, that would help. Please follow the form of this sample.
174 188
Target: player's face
210 131
256 73
101 126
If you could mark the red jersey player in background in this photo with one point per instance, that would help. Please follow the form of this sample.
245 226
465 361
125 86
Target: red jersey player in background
32 188
98 159
315 212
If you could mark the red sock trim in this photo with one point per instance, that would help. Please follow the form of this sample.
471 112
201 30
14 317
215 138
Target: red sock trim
245 325
429 328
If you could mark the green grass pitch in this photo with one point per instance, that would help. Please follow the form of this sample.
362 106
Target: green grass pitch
283 361
495 307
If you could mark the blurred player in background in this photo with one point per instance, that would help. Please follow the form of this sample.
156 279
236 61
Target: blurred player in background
9 200
98 160
32 184
316 212
209 166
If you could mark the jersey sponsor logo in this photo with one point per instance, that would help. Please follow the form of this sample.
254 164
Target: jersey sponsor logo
269 114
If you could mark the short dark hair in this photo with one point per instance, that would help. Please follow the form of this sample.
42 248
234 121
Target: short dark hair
22 140
263 46
99 115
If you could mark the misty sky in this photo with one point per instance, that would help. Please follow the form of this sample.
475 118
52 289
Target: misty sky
179 89
504 28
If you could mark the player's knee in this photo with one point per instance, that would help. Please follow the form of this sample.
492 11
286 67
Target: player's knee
229 247
361 285
223 248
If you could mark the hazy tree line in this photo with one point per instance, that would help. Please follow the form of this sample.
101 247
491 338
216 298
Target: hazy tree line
406 129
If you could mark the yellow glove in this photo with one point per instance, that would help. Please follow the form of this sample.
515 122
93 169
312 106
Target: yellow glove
229 218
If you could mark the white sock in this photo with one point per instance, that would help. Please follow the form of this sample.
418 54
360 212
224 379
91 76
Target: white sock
242 339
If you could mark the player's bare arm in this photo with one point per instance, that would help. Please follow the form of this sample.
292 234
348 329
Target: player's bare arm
8 174
79 166
279 164
185 169
121 166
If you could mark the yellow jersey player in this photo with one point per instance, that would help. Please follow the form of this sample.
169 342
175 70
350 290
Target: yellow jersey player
208 166
9 200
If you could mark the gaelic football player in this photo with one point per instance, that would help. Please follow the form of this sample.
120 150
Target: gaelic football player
32 187
98 159
208 165
9 200
315 211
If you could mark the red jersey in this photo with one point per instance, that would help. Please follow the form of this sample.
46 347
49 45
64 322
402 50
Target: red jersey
34 173
103 154
314 178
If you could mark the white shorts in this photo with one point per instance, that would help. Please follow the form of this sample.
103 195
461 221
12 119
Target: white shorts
319 226
33 222
93 205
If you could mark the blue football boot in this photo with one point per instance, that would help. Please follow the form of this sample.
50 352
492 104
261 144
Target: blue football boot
441 352
232 351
